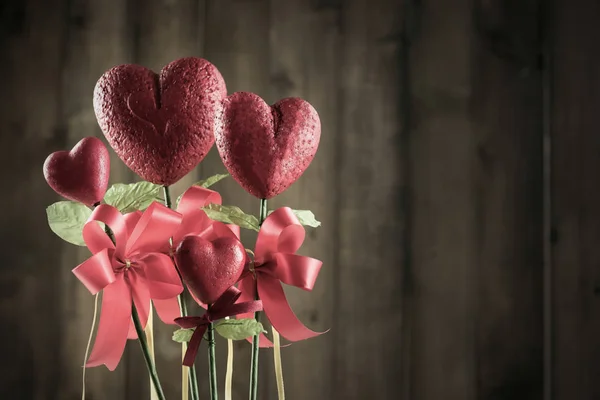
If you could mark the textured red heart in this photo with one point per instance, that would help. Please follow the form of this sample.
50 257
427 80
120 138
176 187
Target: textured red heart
161 126
80 174
267 148
209 268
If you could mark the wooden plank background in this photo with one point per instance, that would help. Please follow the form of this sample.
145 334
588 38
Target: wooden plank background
456 181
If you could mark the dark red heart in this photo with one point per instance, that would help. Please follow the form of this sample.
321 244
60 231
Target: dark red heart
80 174
161 126
209 268
267 148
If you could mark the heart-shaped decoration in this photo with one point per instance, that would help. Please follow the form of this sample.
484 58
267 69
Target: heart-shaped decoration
160 125
80 174
209 268
267 148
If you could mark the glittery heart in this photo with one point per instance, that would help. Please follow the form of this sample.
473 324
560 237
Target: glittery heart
266 148
209 268
80 174
162 125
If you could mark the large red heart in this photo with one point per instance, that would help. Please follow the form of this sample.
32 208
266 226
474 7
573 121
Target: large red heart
161 126
267 148
209 268
80 174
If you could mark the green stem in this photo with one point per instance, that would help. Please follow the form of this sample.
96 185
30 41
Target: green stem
144 344
256 338
167 194
142 337
212 363
195 392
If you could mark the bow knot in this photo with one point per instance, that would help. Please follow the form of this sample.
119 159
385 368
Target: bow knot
276 262
129 271
225 306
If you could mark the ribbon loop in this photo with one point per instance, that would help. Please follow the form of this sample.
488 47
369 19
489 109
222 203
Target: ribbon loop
195 221
197 197
280 232
299 271
94 236
96 272
154 229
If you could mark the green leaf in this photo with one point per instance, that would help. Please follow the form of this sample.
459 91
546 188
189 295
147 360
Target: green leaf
133 196
183 335
306 218
211 180
238 329
66 219
231 215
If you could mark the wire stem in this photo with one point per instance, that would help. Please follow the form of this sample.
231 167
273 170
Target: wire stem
212 363
144 344
256 338
193 380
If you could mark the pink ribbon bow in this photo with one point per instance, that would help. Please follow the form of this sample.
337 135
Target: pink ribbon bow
275 261
225 306
195 221
129 272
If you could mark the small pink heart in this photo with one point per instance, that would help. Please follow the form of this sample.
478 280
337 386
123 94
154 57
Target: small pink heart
209 268
80 174
161 126
267 148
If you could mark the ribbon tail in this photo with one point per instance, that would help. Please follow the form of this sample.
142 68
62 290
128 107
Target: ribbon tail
193 345
132 333
279 312
115 316
246 285
167 310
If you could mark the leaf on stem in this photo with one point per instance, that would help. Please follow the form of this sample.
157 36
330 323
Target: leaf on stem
183 335
133 196
211 180
66 219
231 215
306 218
238 329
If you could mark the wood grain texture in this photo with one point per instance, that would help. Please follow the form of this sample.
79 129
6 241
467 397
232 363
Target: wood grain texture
575 166
30 274
304 51
84 62
369 276
442 232
164 32
236 41
506 105
428 182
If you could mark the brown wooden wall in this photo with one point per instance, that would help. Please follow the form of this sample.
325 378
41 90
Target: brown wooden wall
457 181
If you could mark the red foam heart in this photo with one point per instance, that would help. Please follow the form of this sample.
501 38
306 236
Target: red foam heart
80 174
161 126
267 148
209 268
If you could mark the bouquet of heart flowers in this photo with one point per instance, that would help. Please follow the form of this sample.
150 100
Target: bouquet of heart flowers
148 254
